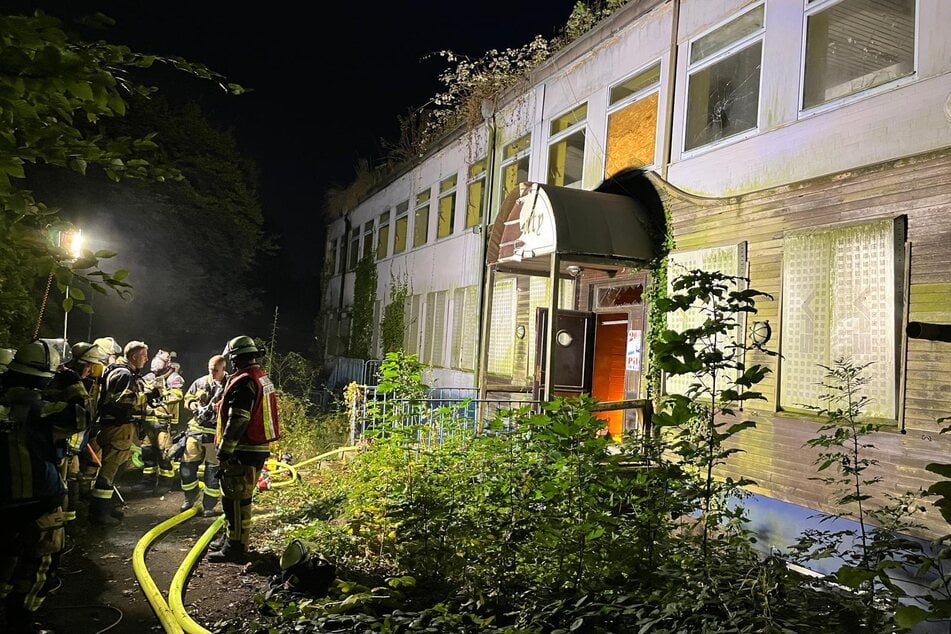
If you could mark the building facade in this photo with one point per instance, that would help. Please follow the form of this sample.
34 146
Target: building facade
804 144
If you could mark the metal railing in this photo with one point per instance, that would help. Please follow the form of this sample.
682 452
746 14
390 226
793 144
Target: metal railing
442 413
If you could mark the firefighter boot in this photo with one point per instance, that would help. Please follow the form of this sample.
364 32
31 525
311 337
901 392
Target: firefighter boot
190 498
100 512
232 552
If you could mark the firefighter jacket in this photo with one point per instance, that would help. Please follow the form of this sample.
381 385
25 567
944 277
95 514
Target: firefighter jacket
247 417
123 398
30 428
202 399
68 387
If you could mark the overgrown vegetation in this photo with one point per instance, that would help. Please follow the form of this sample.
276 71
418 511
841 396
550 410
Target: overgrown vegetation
536 526
364 300
393 322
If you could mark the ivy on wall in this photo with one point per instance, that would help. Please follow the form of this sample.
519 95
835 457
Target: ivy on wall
656 316
394 315
364 298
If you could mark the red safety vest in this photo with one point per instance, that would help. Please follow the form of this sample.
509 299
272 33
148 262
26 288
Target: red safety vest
264 427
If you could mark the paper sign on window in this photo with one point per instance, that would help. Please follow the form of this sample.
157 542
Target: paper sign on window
633 350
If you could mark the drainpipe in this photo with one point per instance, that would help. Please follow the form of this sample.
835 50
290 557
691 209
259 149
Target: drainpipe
488 116
671 86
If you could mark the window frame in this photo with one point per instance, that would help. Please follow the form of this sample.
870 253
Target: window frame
366 245
476 173
448 188
629 100
562 137
813 7
401 216
383 235
719 55
517 156
424 199
353 255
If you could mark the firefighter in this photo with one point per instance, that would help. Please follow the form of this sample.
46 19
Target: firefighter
202 401
75 383
157 471
90 460
123 404
32 533
247 424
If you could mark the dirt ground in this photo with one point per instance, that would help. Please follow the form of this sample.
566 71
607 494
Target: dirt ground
100 592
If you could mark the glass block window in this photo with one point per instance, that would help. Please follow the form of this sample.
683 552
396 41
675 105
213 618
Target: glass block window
476 193
501 352
434 329
402 222
465 327
839 301
855 45
632 121
446 208
383 236
421 219
723 78
729 260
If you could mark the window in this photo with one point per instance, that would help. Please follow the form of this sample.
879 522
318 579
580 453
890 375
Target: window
515 164
855 45
383 236
839 301
501 352
331 257
632 121
446 207
354 255
476 193
368 239
434 330
566 148
421 219
723 76
465 327
729 260
402 220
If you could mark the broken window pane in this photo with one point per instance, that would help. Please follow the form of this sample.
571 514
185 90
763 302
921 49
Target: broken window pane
723 98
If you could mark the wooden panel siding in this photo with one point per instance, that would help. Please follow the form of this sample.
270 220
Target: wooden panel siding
918 188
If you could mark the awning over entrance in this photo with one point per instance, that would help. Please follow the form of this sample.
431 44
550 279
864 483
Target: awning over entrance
537 220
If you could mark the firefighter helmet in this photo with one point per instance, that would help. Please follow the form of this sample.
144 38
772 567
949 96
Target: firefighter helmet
86 352
108 345
240 346
36 358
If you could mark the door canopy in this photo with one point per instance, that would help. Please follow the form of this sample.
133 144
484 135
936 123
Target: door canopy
537 220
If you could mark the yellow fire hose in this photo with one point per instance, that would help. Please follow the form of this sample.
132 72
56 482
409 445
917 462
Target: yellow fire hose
176 591
152 593
174 618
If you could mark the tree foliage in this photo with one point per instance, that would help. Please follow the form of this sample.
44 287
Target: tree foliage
57 92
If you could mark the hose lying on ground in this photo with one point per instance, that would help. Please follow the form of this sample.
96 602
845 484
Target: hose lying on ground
176 592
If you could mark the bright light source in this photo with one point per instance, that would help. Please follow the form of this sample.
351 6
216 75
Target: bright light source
76 244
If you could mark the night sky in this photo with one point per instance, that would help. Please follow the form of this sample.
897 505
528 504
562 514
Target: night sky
327 85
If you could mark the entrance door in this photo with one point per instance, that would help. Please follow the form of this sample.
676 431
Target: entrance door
573 359
608 380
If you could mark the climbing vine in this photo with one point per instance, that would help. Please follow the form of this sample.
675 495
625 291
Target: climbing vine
394 319
364 298
656 316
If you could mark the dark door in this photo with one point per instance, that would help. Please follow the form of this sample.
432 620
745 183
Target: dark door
574 356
